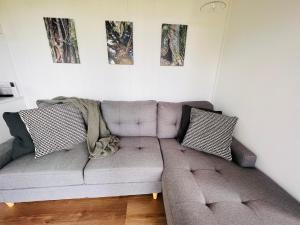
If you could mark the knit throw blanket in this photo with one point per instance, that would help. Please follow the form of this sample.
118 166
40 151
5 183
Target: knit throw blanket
100 142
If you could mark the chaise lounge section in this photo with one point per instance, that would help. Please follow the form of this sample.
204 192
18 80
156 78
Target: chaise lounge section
202 189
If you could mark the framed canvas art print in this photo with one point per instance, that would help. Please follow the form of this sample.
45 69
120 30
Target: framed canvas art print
173 41
119 36
62 40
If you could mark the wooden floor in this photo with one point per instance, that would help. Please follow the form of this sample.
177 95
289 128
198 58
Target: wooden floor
133 210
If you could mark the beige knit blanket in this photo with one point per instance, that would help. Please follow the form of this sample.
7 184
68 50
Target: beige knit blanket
100 142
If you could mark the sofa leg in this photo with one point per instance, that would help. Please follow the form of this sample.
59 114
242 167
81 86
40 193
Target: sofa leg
10 204
154 195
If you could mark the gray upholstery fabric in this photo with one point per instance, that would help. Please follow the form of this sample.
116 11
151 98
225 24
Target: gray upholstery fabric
198 188
137 118
242 155
138 160
78 191
203 189
169 116
5 152
56 169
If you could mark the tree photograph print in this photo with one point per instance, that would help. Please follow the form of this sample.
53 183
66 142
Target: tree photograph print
173 39
62 40
119 36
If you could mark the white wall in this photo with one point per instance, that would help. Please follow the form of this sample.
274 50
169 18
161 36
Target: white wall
7 72
259 81
23 24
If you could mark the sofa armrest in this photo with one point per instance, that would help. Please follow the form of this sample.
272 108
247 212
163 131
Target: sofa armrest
242 155
5 152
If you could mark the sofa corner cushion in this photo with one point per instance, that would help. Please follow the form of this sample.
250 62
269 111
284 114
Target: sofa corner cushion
138 160
169 116
57 169
130 118
242 155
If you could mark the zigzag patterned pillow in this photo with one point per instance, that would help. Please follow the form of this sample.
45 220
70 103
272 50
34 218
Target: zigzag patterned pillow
54 128
210 133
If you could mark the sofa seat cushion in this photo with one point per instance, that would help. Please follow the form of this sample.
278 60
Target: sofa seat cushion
204 189
138 160
56 169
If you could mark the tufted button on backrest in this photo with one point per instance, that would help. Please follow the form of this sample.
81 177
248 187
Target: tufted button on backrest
218 171
209 205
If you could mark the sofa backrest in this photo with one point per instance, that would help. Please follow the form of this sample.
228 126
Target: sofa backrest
126 118
169 116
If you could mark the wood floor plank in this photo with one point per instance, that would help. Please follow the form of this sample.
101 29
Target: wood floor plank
145 211
131 210
104 211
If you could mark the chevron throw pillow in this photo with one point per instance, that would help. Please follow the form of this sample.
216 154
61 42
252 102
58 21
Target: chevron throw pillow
54 128
210 133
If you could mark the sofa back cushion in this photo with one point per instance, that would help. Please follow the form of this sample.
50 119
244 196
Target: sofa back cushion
169 116
125 118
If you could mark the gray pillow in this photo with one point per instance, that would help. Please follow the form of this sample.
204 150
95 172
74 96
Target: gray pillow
22 143
210 133
54 128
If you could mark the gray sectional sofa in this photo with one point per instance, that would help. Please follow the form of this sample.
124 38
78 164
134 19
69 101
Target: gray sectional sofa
198 189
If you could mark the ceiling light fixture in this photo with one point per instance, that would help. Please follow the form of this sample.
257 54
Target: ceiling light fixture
213 6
